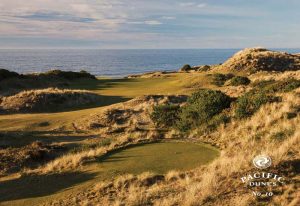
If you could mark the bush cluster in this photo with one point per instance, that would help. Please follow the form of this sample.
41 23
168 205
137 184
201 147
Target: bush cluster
273 86
219 79
165 115
5 74
200 109
239 80
185 68
250 102
68 74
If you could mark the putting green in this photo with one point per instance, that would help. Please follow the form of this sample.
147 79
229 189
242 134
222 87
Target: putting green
158 158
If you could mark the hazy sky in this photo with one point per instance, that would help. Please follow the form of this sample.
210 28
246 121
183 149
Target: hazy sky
149 23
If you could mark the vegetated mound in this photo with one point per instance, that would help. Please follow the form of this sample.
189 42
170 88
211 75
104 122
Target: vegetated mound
11 82
46 100
261 59
67 74
13 159
129 116
5 74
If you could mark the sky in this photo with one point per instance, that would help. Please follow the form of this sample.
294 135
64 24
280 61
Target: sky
149 24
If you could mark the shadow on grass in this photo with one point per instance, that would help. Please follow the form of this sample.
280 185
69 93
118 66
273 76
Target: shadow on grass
99 84
22 138
39 186
108 157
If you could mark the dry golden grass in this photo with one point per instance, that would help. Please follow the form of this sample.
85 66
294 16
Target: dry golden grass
260 59
277 76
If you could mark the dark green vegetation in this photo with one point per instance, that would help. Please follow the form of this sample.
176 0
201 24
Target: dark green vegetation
202 108
219 79
250 102
273 86
282 135
5 74
165 115
12 82
68 74
185 68
262 93
239 80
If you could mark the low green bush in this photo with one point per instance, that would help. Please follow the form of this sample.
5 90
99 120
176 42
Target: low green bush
201 107
68 74
165 115
239 80
185 68
250 102
273 86
5 74
219 79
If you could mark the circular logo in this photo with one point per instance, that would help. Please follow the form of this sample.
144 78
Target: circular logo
262 161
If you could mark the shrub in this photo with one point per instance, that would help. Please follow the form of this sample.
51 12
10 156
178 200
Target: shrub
280 136
251 101
201 107
68 74
165 115
5 74
272 86
219 79
185 68
239 80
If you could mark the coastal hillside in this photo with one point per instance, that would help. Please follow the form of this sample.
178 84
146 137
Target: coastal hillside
261 59
167 139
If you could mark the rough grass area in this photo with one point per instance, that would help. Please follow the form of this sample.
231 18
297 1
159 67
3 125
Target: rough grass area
51 99
34 154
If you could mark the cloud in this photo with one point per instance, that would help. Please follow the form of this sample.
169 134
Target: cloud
168 17
126 20
201 5
56 16
192 4
152 22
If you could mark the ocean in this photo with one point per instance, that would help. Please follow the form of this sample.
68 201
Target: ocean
112 63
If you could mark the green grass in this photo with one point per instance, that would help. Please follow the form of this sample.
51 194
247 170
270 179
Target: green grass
130 88
155 157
